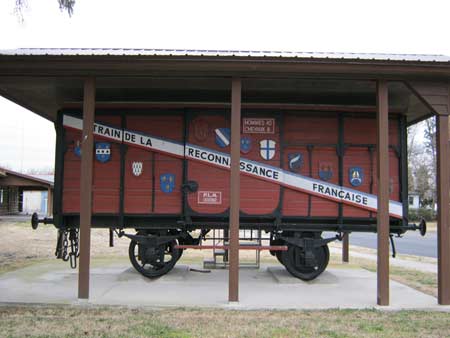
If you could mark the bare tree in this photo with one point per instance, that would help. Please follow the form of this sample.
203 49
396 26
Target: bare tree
67 5
423 180
64 5
19 7
430 149
422 161
414 153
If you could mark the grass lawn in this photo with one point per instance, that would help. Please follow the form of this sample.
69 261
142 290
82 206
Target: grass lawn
68 321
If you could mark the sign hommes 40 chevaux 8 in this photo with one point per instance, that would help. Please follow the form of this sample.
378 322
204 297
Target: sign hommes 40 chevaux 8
258 126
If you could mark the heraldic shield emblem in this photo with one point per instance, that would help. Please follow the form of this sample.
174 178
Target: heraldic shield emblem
246 144
267 149
201 129
223 136
167 182
325 170
103 151
137 168
77 149
355 176
295 161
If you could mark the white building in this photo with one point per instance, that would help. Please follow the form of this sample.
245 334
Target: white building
35 201
413 200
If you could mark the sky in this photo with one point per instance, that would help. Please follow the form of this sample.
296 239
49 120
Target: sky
384 26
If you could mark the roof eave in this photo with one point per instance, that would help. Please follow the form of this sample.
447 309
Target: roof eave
125 65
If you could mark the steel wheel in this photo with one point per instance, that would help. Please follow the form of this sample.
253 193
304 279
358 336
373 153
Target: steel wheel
279 256
153 262
294 261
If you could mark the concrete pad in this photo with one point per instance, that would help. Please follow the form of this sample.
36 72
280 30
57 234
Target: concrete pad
269 287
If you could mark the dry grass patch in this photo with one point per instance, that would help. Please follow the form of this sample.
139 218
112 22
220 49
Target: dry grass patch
20 246
432 226
425 282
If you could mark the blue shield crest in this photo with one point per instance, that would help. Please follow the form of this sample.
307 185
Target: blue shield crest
77 149
167 183
246 144
295 161
355 176
267 149
103 151
223 136
325 170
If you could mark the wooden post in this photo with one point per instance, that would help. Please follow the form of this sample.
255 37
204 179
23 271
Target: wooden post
345 243
383 194
87 145
443 188
233 282
49 201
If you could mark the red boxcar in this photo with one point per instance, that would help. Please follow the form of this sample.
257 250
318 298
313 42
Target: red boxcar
166 174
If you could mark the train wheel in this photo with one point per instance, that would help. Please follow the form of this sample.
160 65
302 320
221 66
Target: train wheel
279 256
180 254
294 261
151 261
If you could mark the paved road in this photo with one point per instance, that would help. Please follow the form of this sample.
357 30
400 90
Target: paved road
411 243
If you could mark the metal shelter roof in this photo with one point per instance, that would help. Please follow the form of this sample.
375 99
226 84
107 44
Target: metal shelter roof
46 80
224 53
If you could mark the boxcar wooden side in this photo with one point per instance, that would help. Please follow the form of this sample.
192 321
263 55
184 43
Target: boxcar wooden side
328 147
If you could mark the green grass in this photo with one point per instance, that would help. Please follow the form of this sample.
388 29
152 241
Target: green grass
423 281
22 224
70 321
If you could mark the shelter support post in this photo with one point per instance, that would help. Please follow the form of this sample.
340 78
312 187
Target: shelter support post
87 145
443 188
49 201
383 194
233 282
345 244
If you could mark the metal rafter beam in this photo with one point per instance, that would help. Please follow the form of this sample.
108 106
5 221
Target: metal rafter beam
434 95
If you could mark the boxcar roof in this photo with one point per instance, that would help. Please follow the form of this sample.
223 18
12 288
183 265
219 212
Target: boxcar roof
45 80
